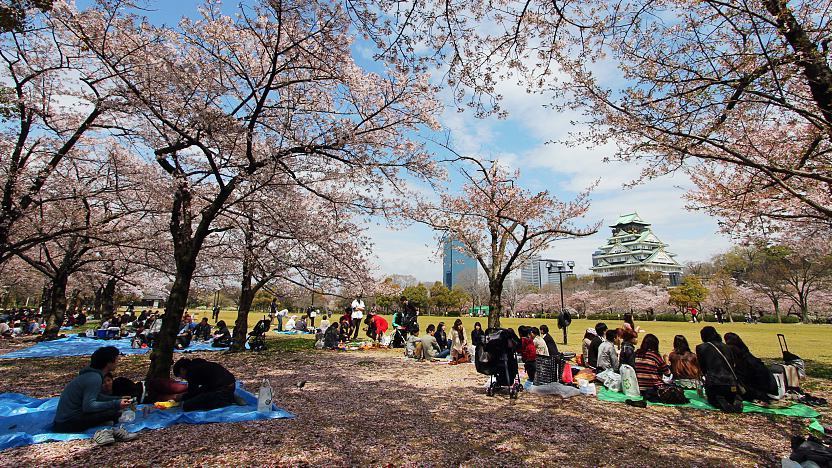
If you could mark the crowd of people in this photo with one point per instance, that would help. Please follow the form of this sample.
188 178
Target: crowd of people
721 366
27 321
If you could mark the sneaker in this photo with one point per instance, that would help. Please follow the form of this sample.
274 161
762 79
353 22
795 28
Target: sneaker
120 434
104 437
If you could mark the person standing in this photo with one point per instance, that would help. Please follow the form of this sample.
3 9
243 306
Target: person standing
216 313
273 309
280 314
357 314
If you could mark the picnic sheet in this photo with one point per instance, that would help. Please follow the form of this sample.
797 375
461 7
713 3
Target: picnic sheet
293 332
82 346
25 420
796 411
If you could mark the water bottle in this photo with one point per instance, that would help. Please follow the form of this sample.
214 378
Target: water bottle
264 397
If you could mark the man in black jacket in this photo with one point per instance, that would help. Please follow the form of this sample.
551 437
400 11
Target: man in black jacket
210 385
716 364
551 346
600 331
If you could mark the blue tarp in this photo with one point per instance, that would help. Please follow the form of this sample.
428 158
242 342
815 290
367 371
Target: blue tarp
292 332
82 346
25 420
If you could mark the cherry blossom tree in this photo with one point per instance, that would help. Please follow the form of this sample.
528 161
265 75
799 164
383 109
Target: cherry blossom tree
284 233
501 225
220 99
51 100
85 200
737 94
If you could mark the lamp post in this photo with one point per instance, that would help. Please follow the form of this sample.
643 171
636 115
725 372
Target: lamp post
560 267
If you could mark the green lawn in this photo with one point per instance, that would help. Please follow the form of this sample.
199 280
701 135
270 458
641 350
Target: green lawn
811 342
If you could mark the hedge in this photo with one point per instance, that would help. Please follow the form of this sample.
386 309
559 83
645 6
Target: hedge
773 319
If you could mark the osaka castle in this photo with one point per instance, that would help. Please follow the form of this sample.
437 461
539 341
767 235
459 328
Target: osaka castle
633 247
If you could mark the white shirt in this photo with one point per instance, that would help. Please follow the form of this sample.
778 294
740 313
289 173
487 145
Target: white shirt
4 328
357 309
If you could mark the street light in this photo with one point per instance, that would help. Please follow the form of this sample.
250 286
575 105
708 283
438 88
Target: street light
561 268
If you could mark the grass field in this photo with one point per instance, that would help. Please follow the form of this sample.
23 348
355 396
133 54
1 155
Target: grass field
811 342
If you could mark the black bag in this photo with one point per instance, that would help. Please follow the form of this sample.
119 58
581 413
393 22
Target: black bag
672 395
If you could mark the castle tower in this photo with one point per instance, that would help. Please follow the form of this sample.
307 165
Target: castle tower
632 247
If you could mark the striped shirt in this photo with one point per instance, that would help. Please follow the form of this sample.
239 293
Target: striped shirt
649 370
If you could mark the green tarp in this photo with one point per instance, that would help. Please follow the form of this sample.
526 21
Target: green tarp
796 411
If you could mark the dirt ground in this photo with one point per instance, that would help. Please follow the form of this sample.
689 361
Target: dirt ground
375 408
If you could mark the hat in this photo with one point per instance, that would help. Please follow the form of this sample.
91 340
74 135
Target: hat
591 331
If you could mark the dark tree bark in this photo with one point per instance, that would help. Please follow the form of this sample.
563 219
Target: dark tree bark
57 305
108 295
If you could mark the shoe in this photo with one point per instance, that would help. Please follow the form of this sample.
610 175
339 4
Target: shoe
636 403
104 437
120 434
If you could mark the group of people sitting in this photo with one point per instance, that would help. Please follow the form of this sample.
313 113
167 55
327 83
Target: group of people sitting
94 398
436 343
26 321
145 330
723 367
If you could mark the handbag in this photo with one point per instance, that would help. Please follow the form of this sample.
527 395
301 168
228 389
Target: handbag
671 394
740 388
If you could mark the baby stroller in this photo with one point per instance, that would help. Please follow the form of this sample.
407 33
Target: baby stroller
496 357
257 336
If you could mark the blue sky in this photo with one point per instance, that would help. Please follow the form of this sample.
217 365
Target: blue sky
520 141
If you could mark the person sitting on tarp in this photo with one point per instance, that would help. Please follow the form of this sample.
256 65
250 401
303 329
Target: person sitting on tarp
410 344
591 359
210 385
752 373
331 336
150 390
82 404
300 324
607 354
203 330
222 337
683 364
430 347
183 338
650 368
716 362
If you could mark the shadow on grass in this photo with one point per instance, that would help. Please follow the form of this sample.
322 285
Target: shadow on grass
289 345
818 370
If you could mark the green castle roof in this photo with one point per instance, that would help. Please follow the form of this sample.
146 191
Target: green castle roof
631 218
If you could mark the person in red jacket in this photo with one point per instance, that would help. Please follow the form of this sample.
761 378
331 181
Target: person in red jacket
527 351
376 326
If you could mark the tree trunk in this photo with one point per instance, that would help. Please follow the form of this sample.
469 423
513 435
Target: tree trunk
804 309
108 294
96 304
776 303
246 298
495 303
57 306
161 359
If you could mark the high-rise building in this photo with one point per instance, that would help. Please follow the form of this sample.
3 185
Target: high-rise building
539 272
633 247
457 267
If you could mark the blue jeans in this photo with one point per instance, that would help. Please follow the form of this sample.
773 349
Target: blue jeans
443 354
279 323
